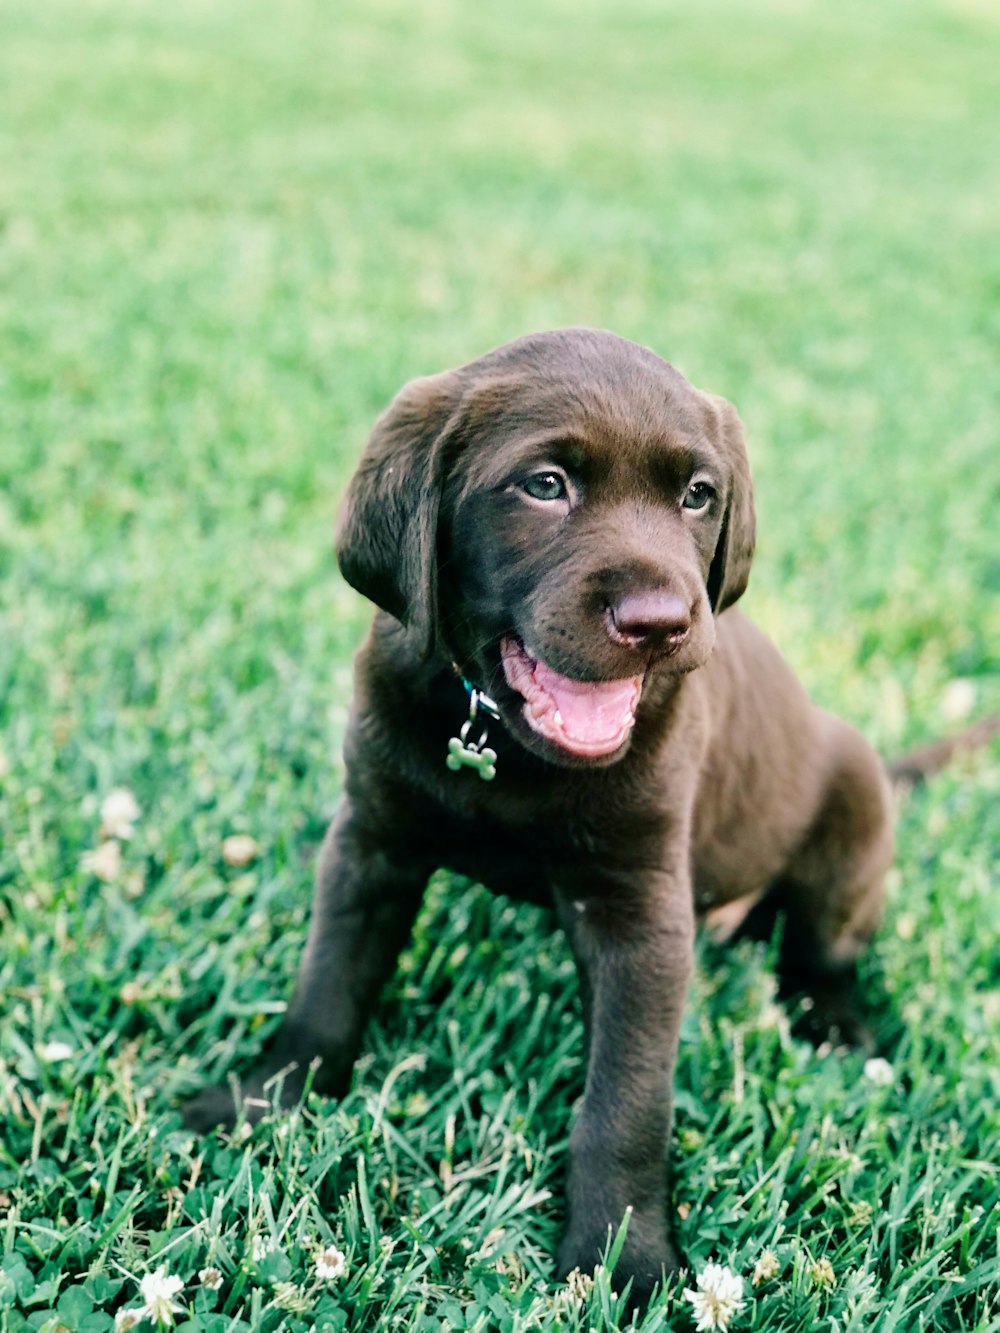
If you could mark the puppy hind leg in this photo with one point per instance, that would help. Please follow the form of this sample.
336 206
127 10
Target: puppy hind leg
832 892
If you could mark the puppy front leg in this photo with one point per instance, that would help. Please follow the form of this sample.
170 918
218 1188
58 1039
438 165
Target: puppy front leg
635 951
364 905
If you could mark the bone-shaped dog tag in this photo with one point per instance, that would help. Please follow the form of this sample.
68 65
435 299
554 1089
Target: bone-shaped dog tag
461 755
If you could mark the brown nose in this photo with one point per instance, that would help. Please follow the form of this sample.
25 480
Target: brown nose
653 620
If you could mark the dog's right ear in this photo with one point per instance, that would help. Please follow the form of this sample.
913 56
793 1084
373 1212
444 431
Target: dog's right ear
387 527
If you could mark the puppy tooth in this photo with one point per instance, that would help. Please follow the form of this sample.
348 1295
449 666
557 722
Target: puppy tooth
557 718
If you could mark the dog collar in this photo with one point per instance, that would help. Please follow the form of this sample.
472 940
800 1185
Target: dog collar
463 753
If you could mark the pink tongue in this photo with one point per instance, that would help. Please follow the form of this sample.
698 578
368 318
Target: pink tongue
591 710
583 716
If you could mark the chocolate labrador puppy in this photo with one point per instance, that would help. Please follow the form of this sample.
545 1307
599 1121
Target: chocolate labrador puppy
555 536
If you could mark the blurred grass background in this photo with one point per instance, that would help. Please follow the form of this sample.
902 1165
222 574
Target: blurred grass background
228 233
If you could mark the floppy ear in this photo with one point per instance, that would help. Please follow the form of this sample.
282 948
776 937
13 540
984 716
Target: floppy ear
730 569
386 538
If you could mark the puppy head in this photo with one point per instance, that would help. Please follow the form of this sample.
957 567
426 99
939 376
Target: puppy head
562 517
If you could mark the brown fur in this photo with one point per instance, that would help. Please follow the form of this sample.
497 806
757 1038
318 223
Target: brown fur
732 786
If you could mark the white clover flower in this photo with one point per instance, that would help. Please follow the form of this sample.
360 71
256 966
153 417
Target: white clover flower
105 862
906 925
288 1296
119 811
210 1278
54 1051
262 1247
239 849
861 1214
579 1285
821 1273
158 1292
958 699
766 1267
718 1297
880 1072
331 1263
128 1319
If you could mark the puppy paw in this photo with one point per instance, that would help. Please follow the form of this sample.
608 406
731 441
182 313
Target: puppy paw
832 1013
221 1107
646 1266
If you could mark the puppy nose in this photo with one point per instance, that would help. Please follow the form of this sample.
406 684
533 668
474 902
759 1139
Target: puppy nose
654 620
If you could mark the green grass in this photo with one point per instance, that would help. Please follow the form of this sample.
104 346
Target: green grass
228 233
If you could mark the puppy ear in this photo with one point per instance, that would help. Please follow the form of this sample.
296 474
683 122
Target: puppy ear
386 537
730 569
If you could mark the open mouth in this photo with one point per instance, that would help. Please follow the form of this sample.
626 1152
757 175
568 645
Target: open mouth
586 717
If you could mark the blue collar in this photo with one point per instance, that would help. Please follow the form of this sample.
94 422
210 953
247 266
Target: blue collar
479 702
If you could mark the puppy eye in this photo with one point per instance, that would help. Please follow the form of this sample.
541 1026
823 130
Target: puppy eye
546 486
699 494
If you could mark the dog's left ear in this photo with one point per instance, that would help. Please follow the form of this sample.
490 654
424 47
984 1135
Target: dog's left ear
730 568
386 537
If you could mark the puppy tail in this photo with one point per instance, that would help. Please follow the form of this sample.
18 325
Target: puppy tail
913 768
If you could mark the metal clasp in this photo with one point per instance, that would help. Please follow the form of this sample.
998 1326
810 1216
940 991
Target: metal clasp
463 753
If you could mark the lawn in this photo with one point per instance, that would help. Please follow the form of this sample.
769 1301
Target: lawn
228 233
